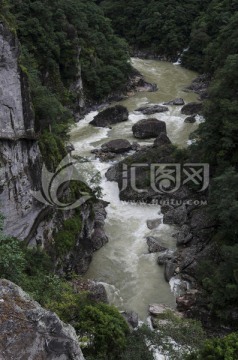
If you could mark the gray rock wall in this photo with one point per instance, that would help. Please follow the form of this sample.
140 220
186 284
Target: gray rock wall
28 331
20 158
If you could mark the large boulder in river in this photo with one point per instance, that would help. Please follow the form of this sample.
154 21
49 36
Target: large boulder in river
152 109
154 244
192 108
117 146
148 128
110 116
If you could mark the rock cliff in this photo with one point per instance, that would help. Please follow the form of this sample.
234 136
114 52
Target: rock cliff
30 332
21 165
20 159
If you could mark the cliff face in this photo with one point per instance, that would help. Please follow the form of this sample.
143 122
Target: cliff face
21 165
30 332
20 159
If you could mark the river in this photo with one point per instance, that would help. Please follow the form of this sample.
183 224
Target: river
131 276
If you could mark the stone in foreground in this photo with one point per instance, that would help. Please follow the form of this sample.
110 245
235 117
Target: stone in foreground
110 116
30 332
117 146
148 128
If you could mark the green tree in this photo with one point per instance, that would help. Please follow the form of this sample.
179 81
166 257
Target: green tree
218 349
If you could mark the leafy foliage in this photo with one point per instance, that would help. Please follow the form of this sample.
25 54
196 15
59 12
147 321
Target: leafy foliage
69 35
159 27
218 349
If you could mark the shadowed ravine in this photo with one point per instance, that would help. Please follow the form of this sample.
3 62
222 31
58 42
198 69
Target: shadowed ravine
132 277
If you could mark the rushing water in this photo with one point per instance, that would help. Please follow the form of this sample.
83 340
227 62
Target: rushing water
131 276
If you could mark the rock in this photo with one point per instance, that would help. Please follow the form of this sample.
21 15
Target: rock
192 108
20 161
162 140
91 238
190 119
169 269
137 83
117 146
70 148
97 292
185 302
153 224
201 220
184 236
136 146
151 128
165 256
158 310
154 244
131 317
102 155
29 331
178 102
177 216
110 116
152 109
200 85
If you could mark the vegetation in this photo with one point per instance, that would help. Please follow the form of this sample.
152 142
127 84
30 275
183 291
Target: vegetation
218 349
160 27
100 325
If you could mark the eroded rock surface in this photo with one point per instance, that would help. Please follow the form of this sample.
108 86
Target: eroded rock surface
28 331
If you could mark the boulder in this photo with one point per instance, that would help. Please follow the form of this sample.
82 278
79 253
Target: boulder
178 102
177 216
117 146
184 236
192 108
97 292
136 146
153 224
110 116
185 302
158 310
169 269
162 140
70 148
148 128
29 331
190 119
165 256
152 109
201 219
131 317
154 244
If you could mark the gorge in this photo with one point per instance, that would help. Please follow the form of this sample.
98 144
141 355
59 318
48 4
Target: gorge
63 63
131 276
